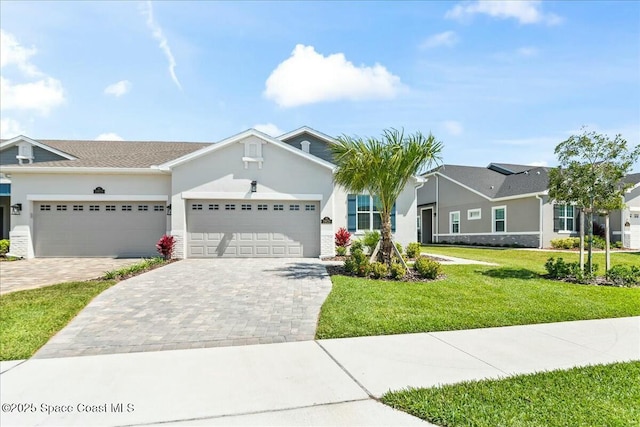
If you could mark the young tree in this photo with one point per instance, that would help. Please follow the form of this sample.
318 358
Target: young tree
589 176
383 167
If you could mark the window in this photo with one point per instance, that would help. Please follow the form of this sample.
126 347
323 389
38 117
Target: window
309 207
196 207
110 208
278 207
126 208
78 207
473 214
454 222
363 213
214 207
61 207
45 207
563 218
262 207
94 208
499 215
246 207
229 207
158 208
294 207
145 208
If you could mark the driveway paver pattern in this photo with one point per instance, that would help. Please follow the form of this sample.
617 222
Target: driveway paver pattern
40 272
200 303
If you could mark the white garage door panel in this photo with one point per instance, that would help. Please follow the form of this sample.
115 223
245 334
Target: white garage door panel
635 230
247 231
88 229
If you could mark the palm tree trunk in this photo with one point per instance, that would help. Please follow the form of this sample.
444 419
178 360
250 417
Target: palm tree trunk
386 246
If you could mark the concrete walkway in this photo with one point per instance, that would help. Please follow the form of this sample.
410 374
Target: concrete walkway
197 303
39 272
327 382
452 260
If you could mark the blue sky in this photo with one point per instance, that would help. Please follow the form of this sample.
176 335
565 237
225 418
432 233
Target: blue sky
495 81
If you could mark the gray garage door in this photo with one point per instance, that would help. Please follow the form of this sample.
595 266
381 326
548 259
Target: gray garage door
97 229
232 228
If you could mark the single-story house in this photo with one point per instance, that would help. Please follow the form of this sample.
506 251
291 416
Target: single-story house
505 204
250 195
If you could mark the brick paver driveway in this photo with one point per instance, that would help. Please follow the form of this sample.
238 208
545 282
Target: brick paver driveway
39 272
200 303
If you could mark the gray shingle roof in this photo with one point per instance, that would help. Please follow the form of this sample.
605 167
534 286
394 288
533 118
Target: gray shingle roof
493 184
117 154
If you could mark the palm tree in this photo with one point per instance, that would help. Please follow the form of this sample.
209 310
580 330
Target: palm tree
382 167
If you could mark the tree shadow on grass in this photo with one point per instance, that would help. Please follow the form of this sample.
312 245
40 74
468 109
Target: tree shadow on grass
511 273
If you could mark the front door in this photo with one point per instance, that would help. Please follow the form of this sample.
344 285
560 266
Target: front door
427 226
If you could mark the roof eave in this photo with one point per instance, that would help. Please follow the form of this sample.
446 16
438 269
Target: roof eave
13 169
15 140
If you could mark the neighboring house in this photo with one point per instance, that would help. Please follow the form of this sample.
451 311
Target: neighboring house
506 204
249 195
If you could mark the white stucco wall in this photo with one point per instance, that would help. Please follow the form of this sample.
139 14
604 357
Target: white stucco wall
72 186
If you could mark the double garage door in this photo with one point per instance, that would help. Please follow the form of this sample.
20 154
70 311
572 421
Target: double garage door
240 228
98 229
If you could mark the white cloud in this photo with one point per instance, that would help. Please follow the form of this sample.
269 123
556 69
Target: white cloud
110 136
156 31
527 51
118 89
269 128
524 11
10 128
41 95
12 53
453 127
447 38
539 164
307 77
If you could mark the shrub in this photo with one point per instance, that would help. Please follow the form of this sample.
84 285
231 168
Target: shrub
356 245
598 230
397 270
341 250
378 270
165 246
413 250
598 242
624 275
357 263
558 269
4 246
617 245
427 268
566 243
342 237
371 239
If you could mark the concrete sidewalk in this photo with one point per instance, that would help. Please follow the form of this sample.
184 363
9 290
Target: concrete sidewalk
326 382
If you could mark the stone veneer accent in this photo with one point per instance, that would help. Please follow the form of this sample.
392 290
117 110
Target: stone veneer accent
327 243
526 240
19 244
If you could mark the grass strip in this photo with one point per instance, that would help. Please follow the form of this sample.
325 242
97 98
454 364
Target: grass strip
593 396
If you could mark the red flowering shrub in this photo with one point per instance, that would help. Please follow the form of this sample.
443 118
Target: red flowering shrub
343 237
165 246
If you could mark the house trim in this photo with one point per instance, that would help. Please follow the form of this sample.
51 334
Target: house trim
81 170
210 195
20 138
97 198
307 129
493 220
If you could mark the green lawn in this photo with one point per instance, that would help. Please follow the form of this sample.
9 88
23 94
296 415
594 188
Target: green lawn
471 296
605 395
29 318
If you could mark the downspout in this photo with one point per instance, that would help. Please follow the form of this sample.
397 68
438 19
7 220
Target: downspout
436 235
541 225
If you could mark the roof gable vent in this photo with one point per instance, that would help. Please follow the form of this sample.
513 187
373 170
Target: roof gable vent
305 146
25 152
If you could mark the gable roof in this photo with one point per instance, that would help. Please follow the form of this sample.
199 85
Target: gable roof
498 182
237 138
113 154
310 131
20 138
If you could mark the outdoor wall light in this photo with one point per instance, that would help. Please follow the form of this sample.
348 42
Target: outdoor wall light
168 209
16 209
254 186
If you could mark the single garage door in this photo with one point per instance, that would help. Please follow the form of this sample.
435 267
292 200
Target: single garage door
98 229
635 230
232 228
